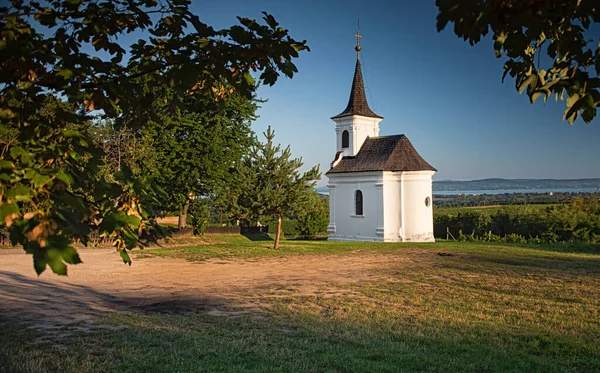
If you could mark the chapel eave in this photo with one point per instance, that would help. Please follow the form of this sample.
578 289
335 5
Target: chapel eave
384 153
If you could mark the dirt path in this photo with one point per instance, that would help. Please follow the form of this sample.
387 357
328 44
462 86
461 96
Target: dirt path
104 284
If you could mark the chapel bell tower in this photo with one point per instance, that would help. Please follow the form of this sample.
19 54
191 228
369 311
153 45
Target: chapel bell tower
357 121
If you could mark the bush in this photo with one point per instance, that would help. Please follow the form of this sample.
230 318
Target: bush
575 222
199 214
314 216
199 224
288 227
515 238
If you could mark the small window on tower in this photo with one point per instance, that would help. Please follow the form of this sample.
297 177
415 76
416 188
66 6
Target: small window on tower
359 203
427 201
345 139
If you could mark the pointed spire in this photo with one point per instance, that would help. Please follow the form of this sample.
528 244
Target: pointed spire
357 105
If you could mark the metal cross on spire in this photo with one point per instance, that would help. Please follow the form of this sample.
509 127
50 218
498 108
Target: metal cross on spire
358 47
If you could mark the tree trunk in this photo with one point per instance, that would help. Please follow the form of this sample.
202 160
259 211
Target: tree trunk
183 215
278 233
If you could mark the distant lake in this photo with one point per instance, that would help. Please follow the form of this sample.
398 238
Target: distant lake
325 191
514 191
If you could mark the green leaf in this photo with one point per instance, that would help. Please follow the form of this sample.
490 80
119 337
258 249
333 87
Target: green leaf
20 193
573 105
54 259
64 177
125 256
527 82
40 261
71 133
39 179
5 165
8 209
249 78
65 73
24 84
17 151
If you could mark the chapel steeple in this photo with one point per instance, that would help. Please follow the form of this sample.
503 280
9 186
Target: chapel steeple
357 104
357 122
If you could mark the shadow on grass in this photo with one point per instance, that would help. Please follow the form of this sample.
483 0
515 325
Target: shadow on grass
61 303
179 343
257 236
542 262
302 238
171 335
568 248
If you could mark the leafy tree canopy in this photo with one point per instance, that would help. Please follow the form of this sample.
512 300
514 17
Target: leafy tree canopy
548 43
197 151
49 193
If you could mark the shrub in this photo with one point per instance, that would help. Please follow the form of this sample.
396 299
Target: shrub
515 238
314 216
288 227
575 222
199 224
199 212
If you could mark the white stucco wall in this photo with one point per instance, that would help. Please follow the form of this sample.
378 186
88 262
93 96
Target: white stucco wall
394 207
359 128
344 224
416 223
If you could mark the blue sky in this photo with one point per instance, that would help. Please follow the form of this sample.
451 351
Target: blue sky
445 95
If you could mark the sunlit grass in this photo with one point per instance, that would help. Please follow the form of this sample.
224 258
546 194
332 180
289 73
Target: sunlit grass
444 307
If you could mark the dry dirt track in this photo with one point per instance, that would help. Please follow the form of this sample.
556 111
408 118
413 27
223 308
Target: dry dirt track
104 284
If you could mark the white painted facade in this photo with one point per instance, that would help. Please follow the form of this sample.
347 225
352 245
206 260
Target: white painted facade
359 128
397 206
394 206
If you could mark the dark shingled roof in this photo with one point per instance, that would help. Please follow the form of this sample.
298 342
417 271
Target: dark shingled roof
357 105
386 153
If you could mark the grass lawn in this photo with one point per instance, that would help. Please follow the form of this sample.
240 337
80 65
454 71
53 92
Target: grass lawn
450 307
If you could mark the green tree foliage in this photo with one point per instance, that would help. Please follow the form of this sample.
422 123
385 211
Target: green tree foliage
49 193
313 215
270 183
549 46
199 210
578 221
122 147
197 147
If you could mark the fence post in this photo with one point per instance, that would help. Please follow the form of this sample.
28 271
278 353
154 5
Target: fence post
448 234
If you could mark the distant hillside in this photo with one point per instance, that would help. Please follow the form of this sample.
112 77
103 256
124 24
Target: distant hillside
501 184
322 190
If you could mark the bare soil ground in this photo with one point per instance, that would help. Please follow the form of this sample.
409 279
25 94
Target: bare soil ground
162 285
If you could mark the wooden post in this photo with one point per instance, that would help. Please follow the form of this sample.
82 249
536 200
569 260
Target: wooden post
448 234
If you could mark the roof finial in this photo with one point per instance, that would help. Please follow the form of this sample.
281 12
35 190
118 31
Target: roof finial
358 48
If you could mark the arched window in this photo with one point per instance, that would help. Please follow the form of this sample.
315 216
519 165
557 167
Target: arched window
345 139
358 202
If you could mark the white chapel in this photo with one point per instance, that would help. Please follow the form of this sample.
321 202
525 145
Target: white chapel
379 186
